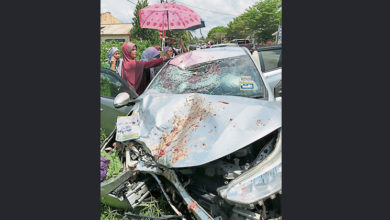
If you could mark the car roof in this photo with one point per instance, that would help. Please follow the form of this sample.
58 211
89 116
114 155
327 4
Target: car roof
223 45
201 56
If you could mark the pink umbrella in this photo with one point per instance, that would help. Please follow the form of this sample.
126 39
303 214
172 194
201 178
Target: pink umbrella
168 16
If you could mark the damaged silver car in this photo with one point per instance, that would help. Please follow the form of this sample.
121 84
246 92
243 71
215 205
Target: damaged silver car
209 140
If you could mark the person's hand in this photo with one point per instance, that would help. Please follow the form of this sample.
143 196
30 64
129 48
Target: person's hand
166 56
113 59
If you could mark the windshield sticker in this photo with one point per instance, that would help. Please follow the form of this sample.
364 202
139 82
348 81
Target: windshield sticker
127 128
247 85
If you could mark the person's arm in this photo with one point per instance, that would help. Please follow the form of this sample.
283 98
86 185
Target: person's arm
153 63
183 47
113 67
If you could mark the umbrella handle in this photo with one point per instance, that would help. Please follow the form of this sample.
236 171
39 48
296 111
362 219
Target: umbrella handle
168 19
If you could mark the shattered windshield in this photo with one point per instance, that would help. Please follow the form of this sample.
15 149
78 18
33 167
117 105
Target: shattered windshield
236 76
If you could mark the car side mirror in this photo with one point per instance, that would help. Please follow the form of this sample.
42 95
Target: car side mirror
123 99
278 89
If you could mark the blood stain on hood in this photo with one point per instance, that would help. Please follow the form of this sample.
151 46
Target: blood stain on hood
173 142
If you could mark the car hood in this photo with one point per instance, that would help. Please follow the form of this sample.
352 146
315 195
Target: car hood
184 130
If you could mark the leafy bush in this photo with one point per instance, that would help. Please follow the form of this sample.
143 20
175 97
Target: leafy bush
103 135
115 164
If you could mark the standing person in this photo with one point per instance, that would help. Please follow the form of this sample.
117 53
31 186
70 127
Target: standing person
114 60
150 53
169 47
132 70
183 47
168 51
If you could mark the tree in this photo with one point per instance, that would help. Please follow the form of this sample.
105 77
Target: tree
260 20
185 35
216 29
237 28
217 33
142 33
263 18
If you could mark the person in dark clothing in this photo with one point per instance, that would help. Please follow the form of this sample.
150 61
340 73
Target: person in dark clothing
150 53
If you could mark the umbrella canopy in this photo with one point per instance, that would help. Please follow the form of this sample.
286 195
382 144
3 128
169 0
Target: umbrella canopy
202 25
168 16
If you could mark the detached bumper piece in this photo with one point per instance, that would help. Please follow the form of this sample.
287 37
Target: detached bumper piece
170 175
136 195
121 193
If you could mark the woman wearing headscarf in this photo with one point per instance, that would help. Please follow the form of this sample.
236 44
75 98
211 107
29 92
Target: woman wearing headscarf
168 50
132 70
114 60
150 53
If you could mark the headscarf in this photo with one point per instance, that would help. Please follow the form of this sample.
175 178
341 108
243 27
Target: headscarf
166 50
111 52
118 64
150 53
157 47
131 70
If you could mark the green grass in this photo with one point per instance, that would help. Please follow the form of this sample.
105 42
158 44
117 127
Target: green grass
149 207
153 207
115 164
102 135
109 213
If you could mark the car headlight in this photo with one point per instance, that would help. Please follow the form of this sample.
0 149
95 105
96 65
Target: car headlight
258 183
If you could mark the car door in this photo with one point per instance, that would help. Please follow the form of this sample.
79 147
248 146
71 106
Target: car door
270 61
271 65
111 84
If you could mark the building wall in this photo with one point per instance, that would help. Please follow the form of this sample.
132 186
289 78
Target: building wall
107 18
103 38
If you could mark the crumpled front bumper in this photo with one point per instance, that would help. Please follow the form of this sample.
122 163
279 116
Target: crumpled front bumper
231 192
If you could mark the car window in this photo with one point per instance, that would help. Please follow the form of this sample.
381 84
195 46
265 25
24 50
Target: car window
110 86
272 59
237 76
243 41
